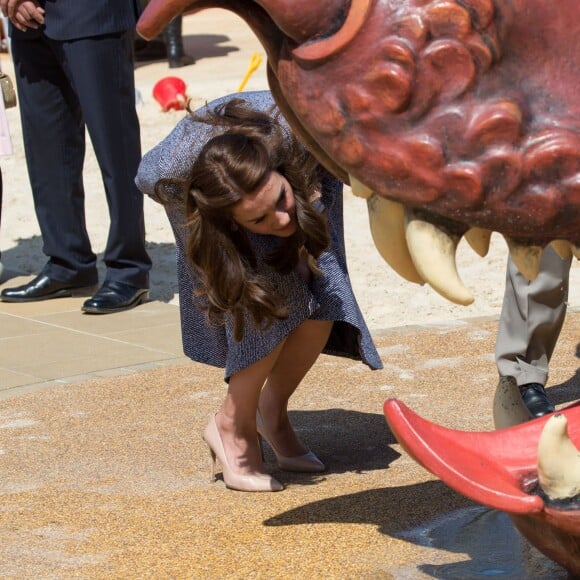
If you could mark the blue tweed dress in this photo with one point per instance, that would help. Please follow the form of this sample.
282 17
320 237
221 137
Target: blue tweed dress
326 297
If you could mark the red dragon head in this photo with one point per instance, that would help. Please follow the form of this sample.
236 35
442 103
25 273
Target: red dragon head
452 117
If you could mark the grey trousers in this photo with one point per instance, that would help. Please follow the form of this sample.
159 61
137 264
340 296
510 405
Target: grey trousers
532 316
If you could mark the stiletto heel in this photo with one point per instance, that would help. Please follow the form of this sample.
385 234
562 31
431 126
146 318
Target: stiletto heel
212 463
307 463
233 480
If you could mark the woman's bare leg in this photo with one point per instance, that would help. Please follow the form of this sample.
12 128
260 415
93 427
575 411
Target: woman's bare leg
299 352
236 420
271 381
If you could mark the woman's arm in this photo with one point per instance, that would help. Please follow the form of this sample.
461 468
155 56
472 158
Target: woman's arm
172 158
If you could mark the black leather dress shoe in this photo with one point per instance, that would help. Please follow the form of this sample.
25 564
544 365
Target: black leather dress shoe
536 400
42 288
115 297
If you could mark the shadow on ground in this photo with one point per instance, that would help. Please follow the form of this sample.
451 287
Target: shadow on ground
567 391
198 46
383 508
485 538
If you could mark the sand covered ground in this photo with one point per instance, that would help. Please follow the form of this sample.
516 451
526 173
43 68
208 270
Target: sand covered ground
223 47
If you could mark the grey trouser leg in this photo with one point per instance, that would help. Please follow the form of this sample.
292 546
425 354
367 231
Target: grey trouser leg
531 319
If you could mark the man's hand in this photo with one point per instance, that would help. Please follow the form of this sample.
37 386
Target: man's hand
23 14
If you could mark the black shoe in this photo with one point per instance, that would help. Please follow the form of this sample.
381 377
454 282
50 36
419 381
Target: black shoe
115 297
43 288
536 400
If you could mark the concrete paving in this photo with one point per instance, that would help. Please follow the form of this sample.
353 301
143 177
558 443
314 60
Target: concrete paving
103 473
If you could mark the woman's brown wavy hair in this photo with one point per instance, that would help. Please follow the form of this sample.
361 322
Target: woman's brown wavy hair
230 165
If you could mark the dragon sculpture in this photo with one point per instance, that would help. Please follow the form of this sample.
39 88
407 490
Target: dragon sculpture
453 118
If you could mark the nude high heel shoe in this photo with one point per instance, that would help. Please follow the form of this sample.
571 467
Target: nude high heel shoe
307 463
233 480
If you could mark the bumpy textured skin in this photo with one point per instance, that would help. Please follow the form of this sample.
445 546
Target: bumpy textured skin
468 109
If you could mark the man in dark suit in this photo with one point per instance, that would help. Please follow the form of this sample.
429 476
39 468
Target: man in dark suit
74 69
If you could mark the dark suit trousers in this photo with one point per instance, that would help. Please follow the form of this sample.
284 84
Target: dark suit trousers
63 87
